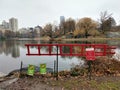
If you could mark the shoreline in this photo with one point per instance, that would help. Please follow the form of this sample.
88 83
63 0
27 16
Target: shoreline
64 39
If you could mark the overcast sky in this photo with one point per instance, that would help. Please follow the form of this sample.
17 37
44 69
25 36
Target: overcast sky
31 13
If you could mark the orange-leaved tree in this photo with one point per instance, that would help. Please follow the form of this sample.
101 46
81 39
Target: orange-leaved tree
84 26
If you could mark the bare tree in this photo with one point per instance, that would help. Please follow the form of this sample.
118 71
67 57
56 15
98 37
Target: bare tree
106 21
9 34
48 30
68 26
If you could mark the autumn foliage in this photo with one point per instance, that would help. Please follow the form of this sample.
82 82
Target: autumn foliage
86 27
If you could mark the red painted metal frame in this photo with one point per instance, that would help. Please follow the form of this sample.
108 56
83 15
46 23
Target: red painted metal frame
104 49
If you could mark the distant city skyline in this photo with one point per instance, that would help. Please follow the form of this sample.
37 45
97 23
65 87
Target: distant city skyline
31 13
11 25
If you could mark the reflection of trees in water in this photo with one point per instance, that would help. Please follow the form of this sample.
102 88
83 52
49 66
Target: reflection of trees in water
114 42
69 57
65 49
77 49
10 47
15 51
91 42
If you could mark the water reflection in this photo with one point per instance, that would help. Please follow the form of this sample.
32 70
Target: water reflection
10 47
13 47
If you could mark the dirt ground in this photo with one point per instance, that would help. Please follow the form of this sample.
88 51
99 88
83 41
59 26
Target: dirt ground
27 83
69 83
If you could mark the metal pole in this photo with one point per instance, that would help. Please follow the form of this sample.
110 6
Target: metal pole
57 64
21 68
54 68
89 69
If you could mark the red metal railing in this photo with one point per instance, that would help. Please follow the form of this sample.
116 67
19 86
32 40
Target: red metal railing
100 49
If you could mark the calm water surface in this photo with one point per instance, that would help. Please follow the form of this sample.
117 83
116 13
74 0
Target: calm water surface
13 52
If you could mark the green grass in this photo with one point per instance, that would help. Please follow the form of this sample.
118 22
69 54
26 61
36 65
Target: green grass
87 85
109 86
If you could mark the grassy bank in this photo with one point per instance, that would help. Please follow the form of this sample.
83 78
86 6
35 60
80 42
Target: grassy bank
98 83
89 39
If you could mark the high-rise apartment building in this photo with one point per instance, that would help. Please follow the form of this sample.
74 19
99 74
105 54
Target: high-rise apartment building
13 24
62 19
5 24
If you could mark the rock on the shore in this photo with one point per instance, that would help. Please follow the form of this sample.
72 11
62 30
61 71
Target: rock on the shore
2 74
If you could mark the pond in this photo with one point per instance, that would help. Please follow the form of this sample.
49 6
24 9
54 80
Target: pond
13 52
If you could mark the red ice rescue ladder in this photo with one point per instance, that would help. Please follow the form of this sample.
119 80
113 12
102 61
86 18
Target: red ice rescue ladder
72 49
